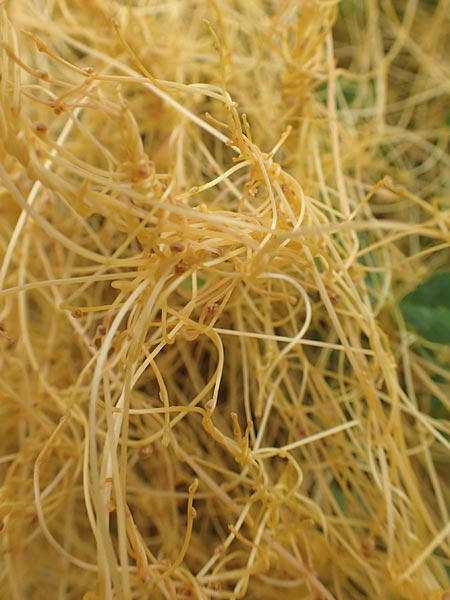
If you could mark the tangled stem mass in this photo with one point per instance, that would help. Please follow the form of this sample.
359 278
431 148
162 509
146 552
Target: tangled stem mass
209 213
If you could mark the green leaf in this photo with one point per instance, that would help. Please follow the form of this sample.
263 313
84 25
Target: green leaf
348 7
350 91
427 309
437 409
187 284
